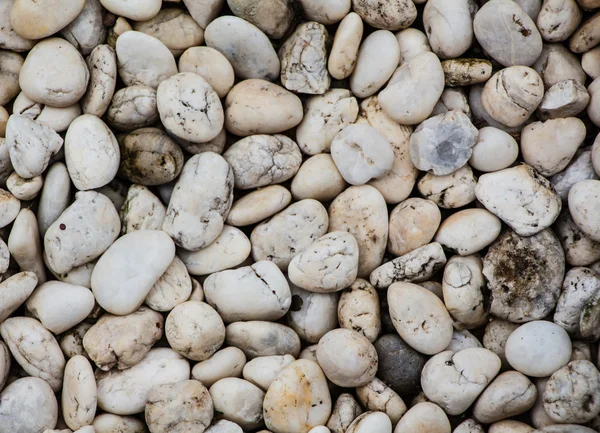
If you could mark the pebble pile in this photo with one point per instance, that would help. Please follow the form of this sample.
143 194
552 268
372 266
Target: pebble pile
299 216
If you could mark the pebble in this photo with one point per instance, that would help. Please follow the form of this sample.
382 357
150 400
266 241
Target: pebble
468 231
137 10
345 411
584 199
558 19
424 416
40 80
494 150
238 401
258 205
87 30
227 362
400 365
451 191
246 47
58 119
344 50
412 42
393 15
79 395
466 72
464 375
258 107
529 204
371 421
274 18
328 13
311 314
530 341
507 33
24 393
586 36
259 338
431 149
449 27
10 67
579 249
359 309
418 79
132 108
566 98
427 309
24 189
211 65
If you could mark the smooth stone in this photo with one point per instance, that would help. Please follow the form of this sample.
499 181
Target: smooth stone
419 79
223 426
318 178
468 231
494 150
451 191
590 62
87 30
494 339
362 211
110 423
33 20
91 152
558 19
14 291
204 11
452 99
142 210
464 374
257 292
412 42
345 411
200 201
311 314
529 203
264 370
400 365
4 258
102 64
230 249
261 160
325 13
378 58
387 15
211 65
507 33
172 288
25 245
586 36
512 94
593 108
557 63
324 117
329 264
418 265
132 107
258 205
125 392
549 146
183 406
54 73
510 394
58 119
142 257
258 338
519 293
258 107
344 50
239 401
137 10
24 189
303 58
16 401
122 341
424 416
361 153
9 39
246 47
413 224
31 145
359 309
273 17
271 240
371 421
576 309
462 340
35 349
143 59
584 202
431 150
79 396
174 28
449 27
411 304
466 72
566 98
298 399
228 362
579 249
60 306
10 66
470 426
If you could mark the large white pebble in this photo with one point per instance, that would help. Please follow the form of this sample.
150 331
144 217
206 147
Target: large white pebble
311 314
426 417
129 268
258 338
211 65
257 292
239 401
258 205
37 20
54 73
371 422
386 14
247 48
79 395
102 63
55 196
318 178
124 392
538 348
110 423
361 153
454 380
60 306
346 42
468 231
414 89
137 10
584 205
494 150
420 318
28 405
325 12
143 59
228 362
200 201
449 27
14 291
82 232
298 399
262 371
189 108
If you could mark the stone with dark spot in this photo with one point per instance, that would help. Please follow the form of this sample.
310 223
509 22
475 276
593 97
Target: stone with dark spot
524 275
399 364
